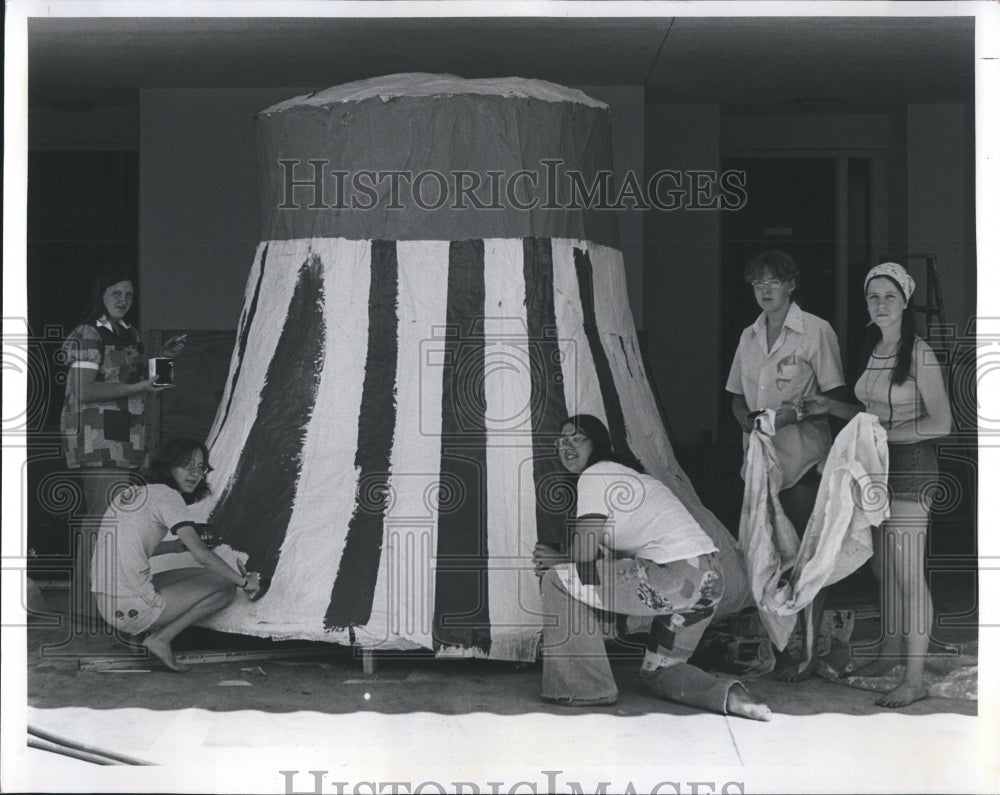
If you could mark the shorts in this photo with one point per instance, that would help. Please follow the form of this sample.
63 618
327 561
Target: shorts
913 472
130 614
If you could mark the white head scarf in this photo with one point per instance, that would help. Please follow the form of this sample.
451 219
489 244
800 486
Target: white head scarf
897 273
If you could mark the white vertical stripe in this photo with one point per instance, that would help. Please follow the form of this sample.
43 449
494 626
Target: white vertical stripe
403 605
582 390
510 494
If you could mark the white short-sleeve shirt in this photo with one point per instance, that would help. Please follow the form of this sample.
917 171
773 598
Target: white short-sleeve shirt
646 519
132 528
804 360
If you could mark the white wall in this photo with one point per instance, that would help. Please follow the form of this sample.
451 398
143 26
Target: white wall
198 199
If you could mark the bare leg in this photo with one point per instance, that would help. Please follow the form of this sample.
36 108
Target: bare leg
890 645
906 545
188 600
798 502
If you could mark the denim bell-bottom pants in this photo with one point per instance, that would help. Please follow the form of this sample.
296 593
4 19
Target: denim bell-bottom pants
680 596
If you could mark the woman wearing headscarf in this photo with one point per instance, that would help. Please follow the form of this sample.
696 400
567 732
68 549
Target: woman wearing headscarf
903 385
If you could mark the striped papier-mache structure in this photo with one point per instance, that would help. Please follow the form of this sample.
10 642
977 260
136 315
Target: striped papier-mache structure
383 451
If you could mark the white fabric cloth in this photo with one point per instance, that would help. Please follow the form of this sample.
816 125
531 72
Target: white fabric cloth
767 537
646 519
785 575
852 498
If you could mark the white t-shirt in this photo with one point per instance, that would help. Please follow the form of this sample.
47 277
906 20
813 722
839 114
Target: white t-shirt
645 518
133 526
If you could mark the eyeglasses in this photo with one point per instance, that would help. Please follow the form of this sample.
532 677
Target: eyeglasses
201 469
570 441
766 284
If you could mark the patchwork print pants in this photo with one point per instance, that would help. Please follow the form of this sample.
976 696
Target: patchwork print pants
681 596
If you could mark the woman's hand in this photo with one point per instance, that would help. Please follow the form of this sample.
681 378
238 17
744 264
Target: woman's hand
545 557
173 346
252 588
150 385
815 405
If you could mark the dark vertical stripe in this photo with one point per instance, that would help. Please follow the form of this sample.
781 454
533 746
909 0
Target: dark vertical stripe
246 322
461 592
605 378
354 588
253 513
548 400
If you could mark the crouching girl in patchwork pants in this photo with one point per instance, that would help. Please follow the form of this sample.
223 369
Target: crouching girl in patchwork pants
636 551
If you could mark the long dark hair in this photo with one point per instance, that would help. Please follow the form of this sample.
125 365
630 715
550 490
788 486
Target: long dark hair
174 453
907 337
94 308
600 439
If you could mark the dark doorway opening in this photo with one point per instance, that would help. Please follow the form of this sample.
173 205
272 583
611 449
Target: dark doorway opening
791 206
82 215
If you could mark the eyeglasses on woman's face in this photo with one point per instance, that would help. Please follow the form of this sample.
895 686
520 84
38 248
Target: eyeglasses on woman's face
767 284
196 466
573 441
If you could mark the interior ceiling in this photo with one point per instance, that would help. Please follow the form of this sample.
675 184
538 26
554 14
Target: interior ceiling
847 63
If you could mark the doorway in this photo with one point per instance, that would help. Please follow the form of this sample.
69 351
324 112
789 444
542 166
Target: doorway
792 206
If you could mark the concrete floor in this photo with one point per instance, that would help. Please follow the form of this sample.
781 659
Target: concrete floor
430 723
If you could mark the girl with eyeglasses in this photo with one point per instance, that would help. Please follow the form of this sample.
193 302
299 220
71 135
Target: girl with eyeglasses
903 385
635 550
129 597
786 356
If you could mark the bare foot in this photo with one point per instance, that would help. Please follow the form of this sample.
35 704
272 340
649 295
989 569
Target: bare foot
740 702
902 696
162 651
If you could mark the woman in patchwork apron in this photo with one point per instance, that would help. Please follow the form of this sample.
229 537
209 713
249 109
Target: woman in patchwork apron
635 550
103 420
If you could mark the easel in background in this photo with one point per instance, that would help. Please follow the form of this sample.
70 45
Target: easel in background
933 307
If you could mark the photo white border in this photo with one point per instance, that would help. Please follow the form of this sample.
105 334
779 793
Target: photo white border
979 772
